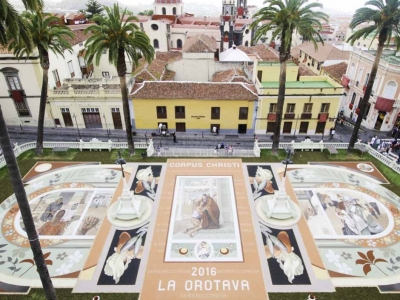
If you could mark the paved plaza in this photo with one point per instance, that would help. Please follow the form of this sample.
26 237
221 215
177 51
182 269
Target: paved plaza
347 235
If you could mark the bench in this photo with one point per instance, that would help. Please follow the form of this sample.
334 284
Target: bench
361 147
331 149
95 144
308 145
60 149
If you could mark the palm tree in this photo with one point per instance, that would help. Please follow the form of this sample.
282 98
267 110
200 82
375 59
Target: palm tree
383 22
26 214
111 33
12 25
283 18
47 35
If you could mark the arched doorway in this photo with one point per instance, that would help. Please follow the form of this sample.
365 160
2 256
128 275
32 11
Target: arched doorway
179 44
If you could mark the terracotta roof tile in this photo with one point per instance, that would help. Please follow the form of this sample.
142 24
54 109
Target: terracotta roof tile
231 75
79 37
193 90
304 71
149 72
4 50
261 51
168 75
336 71
169 56
324 52
200 43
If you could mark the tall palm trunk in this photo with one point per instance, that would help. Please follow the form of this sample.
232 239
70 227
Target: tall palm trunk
45 63
363 103
279 107
121 69
26 214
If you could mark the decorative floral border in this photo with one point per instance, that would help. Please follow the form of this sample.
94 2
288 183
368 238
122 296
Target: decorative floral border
7 226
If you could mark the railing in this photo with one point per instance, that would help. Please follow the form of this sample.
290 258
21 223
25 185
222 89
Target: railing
175 152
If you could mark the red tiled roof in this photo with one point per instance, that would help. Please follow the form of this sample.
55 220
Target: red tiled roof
261 51
79 37
169 56
200 43
336 71
193 90
149 72
231 75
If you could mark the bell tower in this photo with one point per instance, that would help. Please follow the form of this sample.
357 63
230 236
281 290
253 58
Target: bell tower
168 7
227 23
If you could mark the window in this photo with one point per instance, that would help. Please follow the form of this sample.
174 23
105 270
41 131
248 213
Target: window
320 127
272 107
106 74
287 127
303 127
65 110
307 108
56 78
367 111
246 43
13 82
179 112
155 44
17 94
325 107
366 79
215 113
90 110
271 126
353 98
71 69
174 11
390 90
116 109
180 127
318 66
259 76
376 81
179 44
243 113
313 62
351 71
161 112
154 26
164 11
290 107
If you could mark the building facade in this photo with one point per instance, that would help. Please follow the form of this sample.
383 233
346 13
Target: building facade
194 107
383 110
311 103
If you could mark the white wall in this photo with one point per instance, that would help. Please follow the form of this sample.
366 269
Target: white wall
168 8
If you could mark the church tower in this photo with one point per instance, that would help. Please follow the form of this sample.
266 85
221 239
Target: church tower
227 23
168 7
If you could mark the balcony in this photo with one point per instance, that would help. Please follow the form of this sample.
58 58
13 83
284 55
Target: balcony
289 116
345 81
384 104
306 116
271 116
322 117
351 105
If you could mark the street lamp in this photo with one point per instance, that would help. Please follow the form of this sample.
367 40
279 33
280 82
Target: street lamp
288 160
76 122
120 161
105 121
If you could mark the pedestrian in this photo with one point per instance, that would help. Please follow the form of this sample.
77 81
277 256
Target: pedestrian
226 150
158 151
217 130
372 141
332 133
394 131
398 160
174 136
222 145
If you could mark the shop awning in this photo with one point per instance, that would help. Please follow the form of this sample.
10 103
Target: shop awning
384 104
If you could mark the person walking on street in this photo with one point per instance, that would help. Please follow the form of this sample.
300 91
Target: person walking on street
158 151
332 133
174 136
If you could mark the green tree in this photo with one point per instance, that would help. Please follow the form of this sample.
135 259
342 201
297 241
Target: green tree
146 13
93 8
283 18
120 38
12 25
47 35
383 19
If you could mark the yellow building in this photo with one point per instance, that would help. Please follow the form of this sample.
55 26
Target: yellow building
311 103
194 107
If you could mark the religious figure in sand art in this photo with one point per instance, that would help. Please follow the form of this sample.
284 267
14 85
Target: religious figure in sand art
51 209
204 216
56 226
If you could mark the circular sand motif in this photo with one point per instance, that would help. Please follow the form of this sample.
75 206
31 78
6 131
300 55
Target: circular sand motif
203 250
224 251
365 168
183 250
43 168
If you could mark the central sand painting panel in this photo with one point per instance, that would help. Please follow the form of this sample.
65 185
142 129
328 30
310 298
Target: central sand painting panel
204 224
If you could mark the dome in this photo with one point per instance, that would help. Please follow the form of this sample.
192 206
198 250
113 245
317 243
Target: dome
167 1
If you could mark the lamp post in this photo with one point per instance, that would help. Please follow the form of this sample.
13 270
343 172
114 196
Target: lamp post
120 161
76 122
295 126
105 121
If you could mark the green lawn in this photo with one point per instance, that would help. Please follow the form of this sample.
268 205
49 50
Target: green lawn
28 159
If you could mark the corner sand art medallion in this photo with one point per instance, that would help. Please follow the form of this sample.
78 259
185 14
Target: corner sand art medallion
204 237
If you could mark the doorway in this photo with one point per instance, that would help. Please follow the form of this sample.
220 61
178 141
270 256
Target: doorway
212 128
287 127
379 120
180 127
116 116
67 119
242 128
92 120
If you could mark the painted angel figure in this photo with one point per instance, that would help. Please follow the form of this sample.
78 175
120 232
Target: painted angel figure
128 248
262 181
146 182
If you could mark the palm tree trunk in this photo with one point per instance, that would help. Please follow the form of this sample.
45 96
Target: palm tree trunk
364 101
121 69
42 108
23 204
279 107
